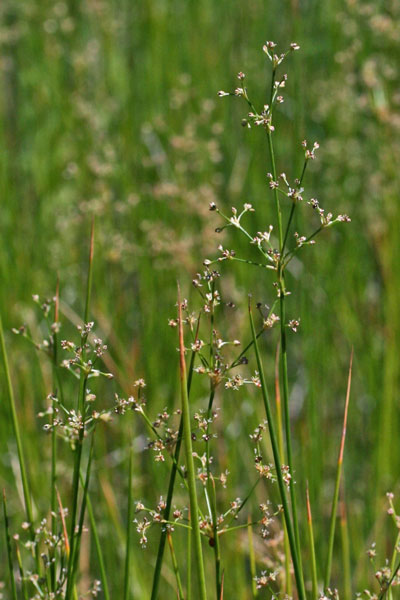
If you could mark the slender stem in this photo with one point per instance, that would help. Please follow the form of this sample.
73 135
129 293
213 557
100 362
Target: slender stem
285 381
76 538
217 549
24 477
21 572
388 586
93 526
276 197
236 362
187 434
90 274
252 557
171 485
337 482
312 549
253 487
288 578
289 255
53 483
281 283
9 551
175 566
75 488
189 563
293 208
281 484
346 549
128 527
209 409
80 406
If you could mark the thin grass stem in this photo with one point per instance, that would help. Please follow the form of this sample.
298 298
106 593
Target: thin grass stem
171 484
344 529
288 577
21 573
189 563
314 577
216 544
281 484
93 526
252 558
187 434
14 419
128 527
9 550
175 566
76 537
337 482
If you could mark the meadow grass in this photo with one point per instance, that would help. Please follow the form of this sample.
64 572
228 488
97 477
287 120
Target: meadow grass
98 119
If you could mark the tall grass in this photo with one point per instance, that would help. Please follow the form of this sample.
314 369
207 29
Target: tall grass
96 119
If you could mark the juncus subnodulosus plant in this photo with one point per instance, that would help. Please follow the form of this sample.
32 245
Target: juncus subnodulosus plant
276 253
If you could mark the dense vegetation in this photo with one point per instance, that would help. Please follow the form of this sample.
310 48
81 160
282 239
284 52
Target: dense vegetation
110 113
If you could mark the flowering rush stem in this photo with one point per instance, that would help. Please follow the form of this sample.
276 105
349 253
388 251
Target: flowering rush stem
275 450
187 437
282 291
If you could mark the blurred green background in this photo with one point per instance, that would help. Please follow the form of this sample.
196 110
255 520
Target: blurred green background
109 109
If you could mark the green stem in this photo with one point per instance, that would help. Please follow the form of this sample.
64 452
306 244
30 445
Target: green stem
175 566
189 563
24 477
75 491
276 197
346 550
288 578
337 482
97 544
187 434
90 274
171 485
217 549
252 557
22 573
281 283
128 527
9 551
286 413
75 538
53 484
275 449
312 549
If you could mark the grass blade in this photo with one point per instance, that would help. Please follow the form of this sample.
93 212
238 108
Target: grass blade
337 482
187 436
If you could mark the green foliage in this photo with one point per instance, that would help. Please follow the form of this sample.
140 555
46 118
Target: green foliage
109 110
